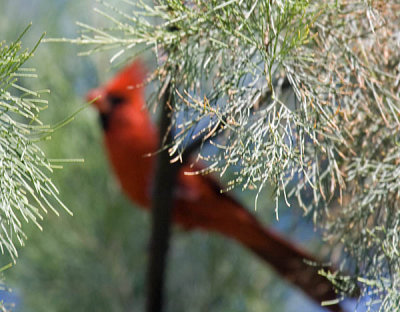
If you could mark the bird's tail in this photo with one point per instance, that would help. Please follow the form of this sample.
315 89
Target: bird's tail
292 263
221 213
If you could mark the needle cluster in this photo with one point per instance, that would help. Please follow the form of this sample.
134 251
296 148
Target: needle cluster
26 188
302 95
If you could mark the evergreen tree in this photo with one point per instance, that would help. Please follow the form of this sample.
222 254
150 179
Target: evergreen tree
334 145
300 95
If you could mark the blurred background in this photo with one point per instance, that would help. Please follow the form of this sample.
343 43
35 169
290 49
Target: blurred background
96 260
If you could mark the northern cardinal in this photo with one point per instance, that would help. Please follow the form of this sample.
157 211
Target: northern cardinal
130 136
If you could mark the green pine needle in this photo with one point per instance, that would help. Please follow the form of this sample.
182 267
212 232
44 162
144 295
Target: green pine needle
332 144
26 189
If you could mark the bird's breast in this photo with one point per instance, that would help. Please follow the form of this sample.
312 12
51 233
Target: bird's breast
131 157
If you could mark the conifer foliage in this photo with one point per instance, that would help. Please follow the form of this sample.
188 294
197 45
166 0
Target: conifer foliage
303 95
26 189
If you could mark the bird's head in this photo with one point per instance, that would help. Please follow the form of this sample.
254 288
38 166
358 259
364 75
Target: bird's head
123 93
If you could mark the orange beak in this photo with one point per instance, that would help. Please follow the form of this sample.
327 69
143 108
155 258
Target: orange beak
97 98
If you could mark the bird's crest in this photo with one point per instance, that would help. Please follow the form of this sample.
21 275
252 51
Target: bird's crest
129 79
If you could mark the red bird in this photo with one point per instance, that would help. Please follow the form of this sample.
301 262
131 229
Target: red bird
130 137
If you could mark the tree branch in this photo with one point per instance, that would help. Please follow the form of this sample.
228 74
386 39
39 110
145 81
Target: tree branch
165 179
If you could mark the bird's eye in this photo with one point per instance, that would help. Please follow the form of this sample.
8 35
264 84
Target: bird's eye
115 100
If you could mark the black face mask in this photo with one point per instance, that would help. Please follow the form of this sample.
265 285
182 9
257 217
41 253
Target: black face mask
114 101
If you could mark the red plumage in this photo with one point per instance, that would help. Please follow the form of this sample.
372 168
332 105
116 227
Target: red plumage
130 139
